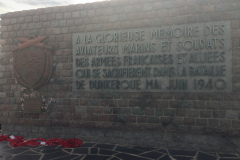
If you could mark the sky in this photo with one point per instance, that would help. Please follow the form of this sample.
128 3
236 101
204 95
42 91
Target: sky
19 5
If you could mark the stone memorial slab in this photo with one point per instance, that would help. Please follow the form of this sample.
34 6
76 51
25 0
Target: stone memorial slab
178 58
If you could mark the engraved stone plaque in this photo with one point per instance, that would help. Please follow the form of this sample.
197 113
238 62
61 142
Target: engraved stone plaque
32 105
178 58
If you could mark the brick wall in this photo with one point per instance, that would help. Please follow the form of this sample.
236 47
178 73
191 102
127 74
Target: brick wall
196 114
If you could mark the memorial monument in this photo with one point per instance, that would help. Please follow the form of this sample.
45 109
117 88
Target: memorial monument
130 72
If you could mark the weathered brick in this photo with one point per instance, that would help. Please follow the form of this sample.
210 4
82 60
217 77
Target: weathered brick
94 117
75 14
137 111
149 111
211 105
103 118
133 103
225 7
35 116
107 110
203 96
131 119
98 110
103 102
205 114
201 122
76 117
235 124
180 112
169 112
113 118
198 104
126 111
186 104
219 114
123 103
229 96
116 110
225 105
142 119
189 121
232 115
174 104
224 123
112 103
213 122
153 119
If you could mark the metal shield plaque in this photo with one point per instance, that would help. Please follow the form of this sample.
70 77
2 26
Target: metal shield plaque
32 68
